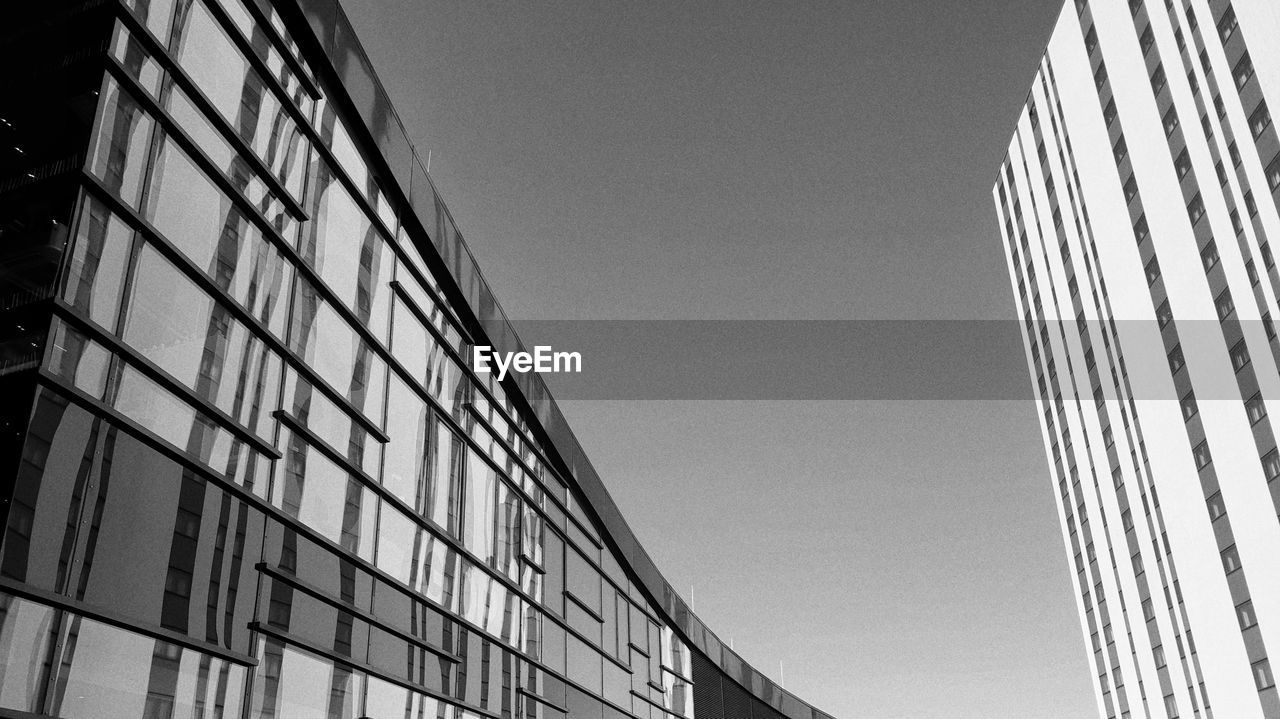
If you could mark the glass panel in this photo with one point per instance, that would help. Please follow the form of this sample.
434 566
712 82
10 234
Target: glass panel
507 534
585 666
399 544
80 361
156 528
108 673
97 268
202 222
121 143
136 396
407 463
204 346
26 636
242 174
335 351
446 480
583 580
157 14
479 510
346 250
326 498
291 684
135 59
331 423
392 701
207 54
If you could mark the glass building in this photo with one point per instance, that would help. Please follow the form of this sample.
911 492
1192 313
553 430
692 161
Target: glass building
1137 204
247 469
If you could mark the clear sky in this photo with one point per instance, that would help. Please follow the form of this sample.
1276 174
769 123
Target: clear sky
786 160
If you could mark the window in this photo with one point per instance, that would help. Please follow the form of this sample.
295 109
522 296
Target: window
1175 359
1091 40
1148 39
1171 707
1224 305
1140 229
1244 613
1179 39
1267 260
1260 120
1130 188
1230 559
1126 520
1222 172
1227 25
1157 653
1170 121
1137 563
1164 315
1271 464
1193 82
1195 208
1209 255
1273 173
1239 356
1088 359
1250 205
1117 476
1262 675
1237 224
1189 408
1268 325
1202 455
1255 408
1219 107
1243 71
1216 508
1108 438
1109 112
1057 217
1158 79
1182 163
1153 271
1100 75
1251 269
1234 152
1120 150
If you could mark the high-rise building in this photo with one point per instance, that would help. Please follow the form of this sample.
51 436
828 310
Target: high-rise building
245 467
1137 204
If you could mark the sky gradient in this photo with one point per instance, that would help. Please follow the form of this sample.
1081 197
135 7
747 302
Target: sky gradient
748 160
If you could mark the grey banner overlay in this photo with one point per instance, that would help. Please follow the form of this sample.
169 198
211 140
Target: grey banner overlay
862 359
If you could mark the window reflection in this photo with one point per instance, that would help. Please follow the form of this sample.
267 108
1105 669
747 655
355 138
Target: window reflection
204 346
108 673
96 272
292 684
344 247
326 498
207 54
139 398
26 637
323 417
336 351
479 507
120 144
206 226
407 463
79 360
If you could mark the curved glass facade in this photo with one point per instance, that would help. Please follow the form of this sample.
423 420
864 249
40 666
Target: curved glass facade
256 476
